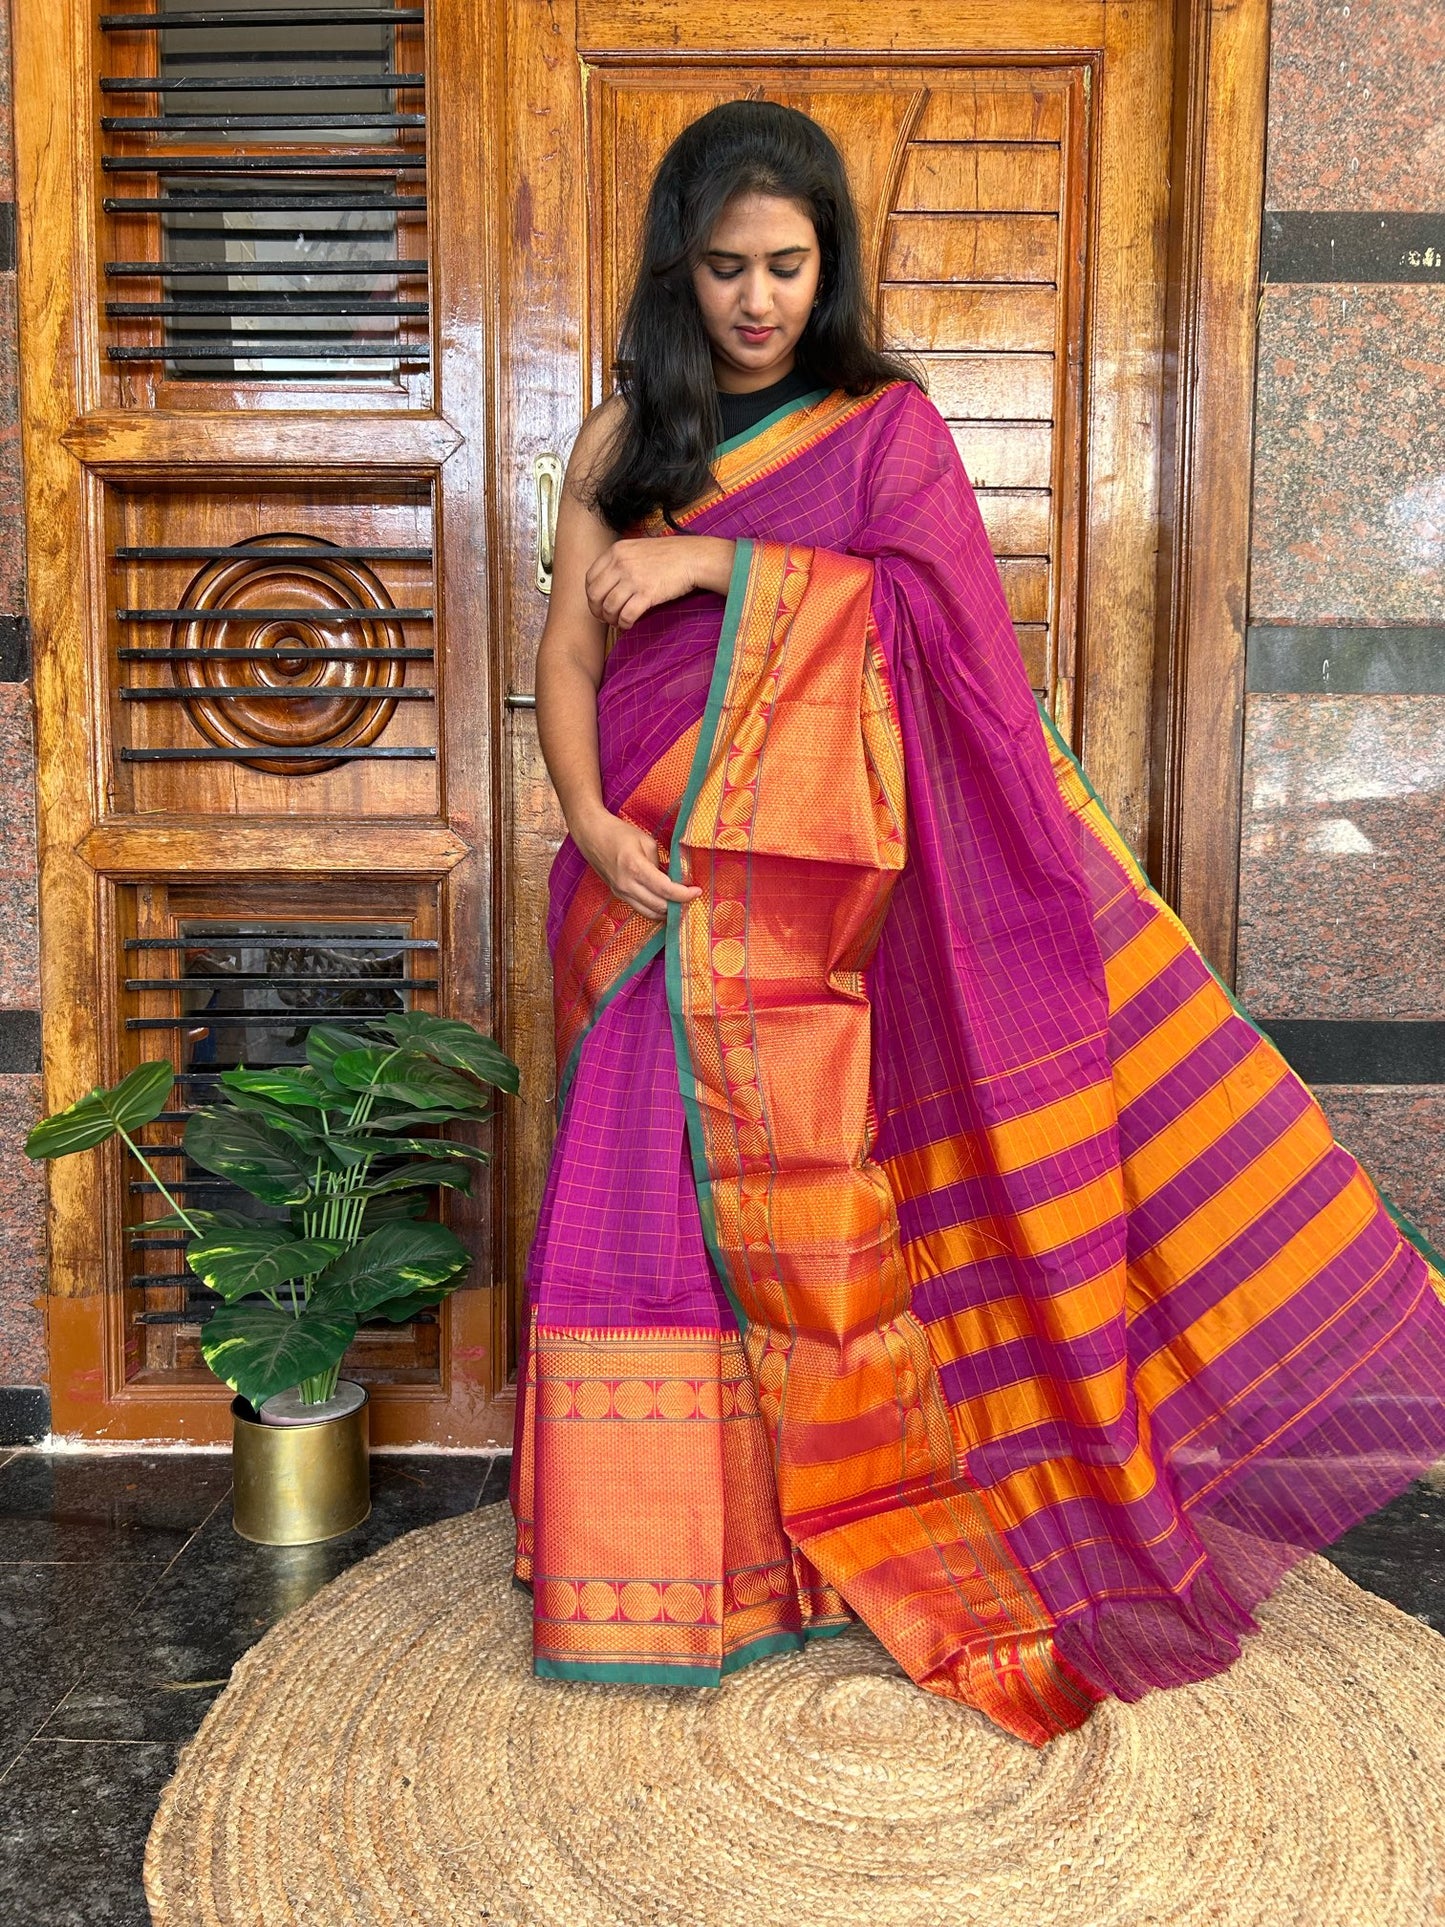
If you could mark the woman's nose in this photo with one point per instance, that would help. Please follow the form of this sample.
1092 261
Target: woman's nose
757 297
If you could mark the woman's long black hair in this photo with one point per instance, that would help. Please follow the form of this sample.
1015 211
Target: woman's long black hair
661 457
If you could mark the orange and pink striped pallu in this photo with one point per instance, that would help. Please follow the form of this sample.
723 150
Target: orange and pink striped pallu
928 1238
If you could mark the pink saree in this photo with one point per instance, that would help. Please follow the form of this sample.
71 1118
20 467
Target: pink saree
928 1238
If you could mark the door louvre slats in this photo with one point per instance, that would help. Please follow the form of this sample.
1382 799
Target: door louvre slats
243 232
246 993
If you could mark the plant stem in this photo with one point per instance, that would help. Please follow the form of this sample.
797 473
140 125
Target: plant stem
159 1183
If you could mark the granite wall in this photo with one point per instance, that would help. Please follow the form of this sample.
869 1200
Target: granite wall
24 1406
1342 865
1343 854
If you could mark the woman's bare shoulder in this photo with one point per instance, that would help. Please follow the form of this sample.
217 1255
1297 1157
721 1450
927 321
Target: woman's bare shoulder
595 441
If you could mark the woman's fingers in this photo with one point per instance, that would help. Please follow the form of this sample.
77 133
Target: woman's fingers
677 892
624 602
599 583
635 607
645 884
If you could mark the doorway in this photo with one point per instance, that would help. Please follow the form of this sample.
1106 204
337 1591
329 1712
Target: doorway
301 357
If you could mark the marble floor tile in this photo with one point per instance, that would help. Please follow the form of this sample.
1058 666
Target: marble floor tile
153 1675
1398 1553
106 1505
54 1619
73 1825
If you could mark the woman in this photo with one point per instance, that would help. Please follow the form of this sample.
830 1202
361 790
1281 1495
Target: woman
928 1239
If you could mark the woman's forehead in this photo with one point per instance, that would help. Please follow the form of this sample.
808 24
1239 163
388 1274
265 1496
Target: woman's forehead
761 224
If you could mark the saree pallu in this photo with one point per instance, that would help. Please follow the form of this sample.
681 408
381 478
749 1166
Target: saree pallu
928 1239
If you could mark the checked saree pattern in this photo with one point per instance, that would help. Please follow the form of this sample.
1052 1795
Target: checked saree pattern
928 1239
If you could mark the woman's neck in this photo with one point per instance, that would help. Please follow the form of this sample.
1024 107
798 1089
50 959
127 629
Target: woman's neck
740 381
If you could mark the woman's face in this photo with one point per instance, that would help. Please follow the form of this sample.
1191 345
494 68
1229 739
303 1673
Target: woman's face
755 286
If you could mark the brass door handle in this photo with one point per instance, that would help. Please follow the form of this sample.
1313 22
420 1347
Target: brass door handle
547 474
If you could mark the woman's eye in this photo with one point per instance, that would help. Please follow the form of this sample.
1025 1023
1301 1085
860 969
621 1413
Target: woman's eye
726 274
787 274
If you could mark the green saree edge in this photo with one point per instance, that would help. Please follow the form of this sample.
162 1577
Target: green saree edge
624 977
743 558
624 1673
1410 1232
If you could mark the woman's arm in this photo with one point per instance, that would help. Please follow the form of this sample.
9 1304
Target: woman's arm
569 669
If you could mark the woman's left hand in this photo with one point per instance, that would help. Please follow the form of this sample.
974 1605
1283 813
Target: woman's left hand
636 574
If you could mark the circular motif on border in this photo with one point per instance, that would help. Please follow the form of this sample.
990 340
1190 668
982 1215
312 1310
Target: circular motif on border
593 1399
598 1599
640 1600
633 1399
676 1399
682 1601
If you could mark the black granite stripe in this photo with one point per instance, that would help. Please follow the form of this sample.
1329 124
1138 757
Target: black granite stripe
14 648
19 1040
1356 1051
7 236
24 1414
1345 661
1352 247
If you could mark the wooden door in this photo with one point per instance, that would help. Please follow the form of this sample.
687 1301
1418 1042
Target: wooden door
255 342
1011 165
312 293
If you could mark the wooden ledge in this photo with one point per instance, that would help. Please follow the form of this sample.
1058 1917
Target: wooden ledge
138 438
143 846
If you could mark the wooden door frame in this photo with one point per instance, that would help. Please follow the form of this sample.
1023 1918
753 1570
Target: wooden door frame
1211 252
72 444
1219 85
1221 75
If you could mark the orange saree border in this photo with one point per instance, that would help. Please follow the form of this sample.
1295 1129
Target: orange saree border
782 438
603 940
636 1586
771 1025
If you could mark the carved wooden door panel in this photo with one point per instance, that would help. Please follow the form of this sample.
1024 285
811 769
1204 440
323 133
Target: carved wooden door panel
255 379
1010 162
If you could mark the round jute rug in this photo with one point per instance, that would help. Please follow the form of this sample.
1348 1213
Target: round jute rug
383 1755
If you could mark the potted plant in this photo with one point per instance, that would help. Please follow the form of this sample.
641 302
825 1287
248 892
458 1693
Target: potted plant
341 1154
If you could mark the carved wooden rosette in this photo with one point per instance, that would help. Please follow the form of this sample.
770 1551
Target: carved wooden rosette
333 704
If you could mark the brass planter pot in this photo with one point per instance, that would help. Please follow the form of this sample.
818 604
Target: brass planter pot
296 1484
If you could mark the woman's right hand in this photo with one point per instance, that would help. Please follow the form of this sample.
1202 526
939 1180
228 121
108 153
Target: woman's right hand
629 861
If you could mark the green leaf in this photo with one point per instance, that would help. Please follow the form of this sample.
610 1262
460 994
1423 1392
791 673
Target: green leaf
258 1259
247 1151
258 1350
411 1078
197 1220
298 1086
391 1261
384 1119
450 1041
452 1177
324 1044
397 1310
394 1208
136 1100
303 1132
423 1147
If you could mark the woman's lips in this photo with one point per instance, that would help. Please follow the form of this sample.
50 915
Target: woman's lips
756 335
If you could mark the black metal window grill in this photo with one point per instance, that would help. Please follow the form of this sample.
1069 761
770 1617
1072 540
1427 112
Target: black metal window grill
266 192
284 653
219 995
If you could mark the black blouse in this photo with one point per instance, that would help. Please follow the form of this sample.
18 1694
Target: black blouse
742 412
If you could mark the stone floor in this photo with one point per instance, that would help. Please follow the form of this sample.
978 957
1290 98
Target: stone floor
126 1597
